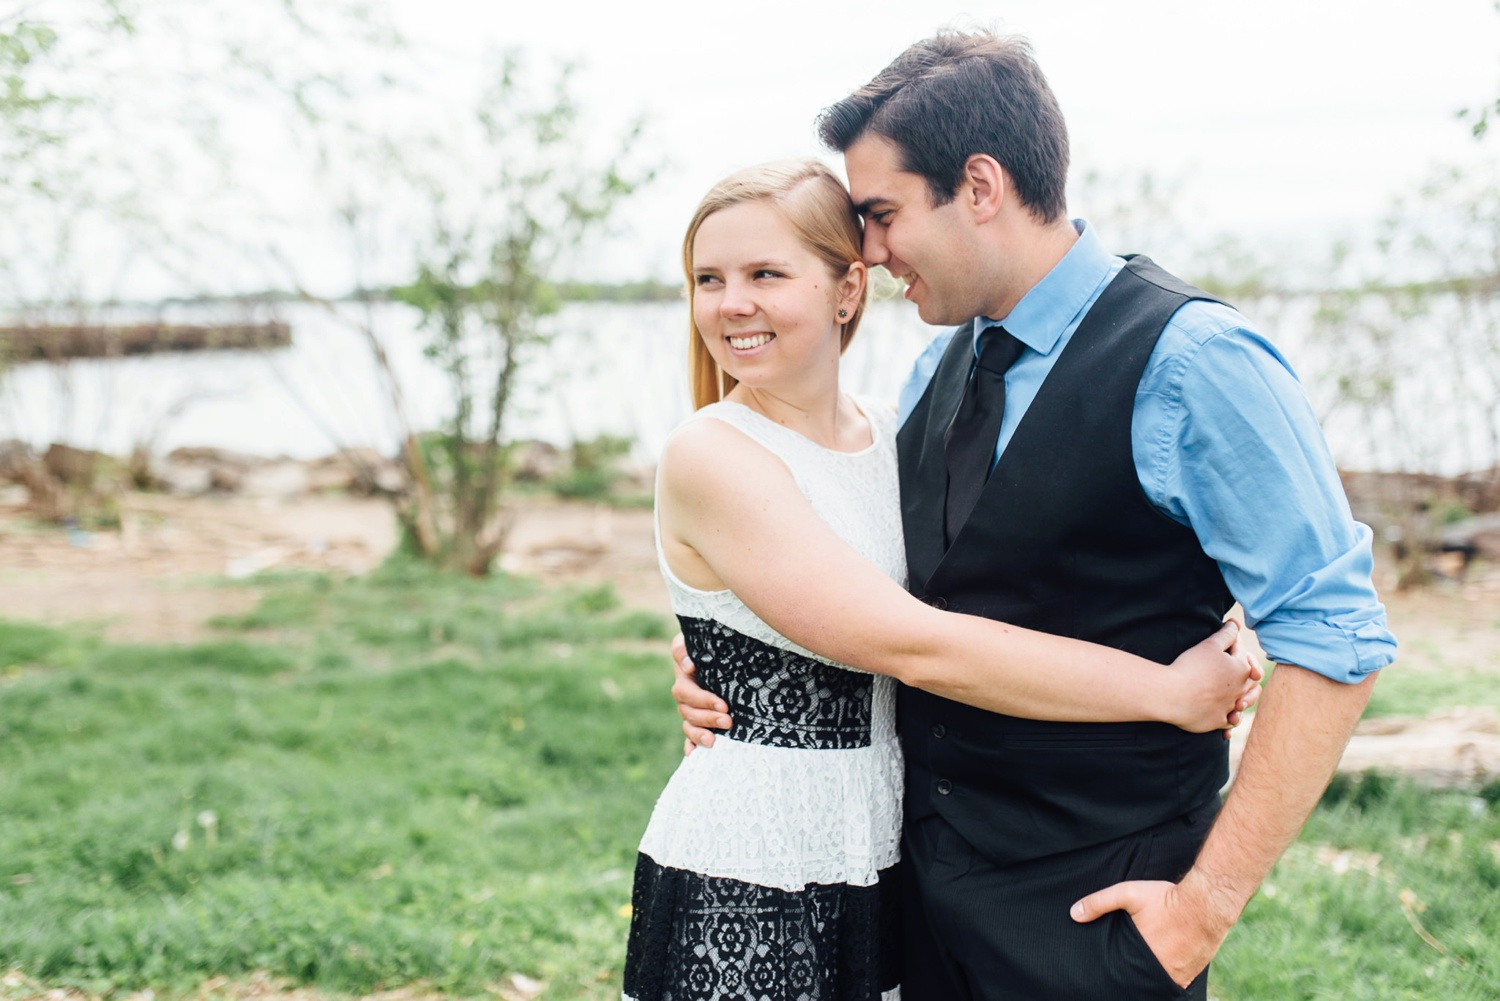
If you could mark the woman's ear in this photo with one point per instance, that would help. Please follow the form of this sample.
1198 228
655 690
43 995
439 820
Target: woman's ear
852 286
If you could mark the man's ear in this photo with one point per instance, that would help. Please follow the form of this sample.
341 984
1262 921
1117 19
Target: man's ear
984 187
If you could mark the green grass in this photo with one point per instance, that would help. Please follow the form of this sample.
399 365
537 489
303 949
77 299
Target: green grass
374 782
1335 918
1381 857
1419 693
409 778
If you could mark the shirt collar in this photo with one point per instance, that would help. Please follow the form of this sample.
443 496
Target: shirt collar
1053 303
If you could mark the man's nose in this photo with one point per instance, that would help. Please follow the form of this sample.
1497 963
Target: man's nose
873 250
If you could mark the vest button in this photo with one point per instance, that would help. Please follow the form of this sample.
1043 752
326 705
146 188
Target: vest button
938 601
944 787
939 730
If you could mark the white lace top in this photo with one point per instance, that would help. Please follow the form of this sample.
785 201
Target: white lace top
807 789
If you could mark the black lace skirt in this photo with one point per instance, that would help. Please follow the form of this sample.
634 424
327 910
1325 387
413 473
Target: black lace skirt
704 938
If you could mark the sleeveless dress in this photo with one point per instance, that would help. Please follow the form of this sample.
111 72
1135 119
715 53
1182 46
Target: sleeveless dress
767 870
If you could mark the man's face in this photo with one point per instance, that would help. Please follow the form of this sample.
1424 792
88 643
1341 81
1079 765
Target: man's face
925 246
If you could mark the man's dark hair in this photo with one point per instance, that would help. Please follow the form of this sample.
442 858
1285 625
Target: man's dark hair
957 94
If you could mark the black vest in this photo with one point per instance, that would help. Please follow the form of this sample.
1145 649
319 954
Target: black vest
1063 540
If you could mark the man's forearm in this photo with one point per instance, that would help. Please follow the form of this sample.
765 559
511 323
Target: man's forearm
1300 731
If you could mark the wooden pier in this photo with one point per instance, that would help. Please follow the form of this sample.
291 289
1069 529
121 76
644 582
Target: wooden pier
60 343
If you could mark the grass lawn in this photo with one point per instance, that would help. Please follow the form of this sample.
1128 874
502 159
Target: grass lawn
408 778
398 778
1392 893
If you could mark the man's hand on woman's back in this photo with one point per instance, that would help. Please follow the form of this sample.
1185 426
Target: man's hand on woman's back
702 712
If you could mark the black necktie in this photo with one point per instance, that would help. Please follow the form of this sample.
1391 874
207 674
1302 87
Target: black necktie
970 441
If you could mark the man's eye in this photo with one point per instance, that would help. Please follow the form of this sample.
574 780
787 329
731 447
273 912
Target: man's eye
881 218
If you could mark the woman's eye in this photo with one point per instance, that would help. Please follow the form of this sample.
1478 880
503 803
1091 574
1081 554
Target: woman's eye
767 273
702 280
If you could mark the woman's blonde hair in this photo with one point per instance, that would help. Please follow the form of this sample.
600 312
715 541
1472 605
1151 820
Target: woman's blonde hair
813 201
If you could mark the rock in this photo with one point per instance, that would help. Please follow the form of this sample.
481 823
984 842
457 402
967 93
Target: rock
1460 719
46 496
519 987
1381 498
199 470
247 566
1453 747
390 479
375 473
15 456
226 479
181 479
538 461
331 474
189 470
280 479
360 471
637 475
214 457
1477 536
76 467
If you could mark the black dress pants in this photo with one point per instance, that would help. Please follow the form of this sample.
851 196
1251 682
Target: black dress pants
977 931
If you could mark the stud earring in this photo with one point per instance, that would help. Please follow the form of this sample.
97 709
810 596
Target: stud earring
843 314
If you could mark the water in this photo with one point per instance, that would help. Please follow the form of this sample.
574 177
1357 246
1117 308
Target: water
611 368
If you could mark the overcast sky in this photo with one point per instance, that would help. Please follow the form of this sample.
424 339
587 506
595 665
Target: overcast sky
1282 123
1280 119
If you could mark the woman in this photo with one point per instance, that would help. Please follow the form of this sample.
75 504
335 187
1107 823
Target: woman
766 870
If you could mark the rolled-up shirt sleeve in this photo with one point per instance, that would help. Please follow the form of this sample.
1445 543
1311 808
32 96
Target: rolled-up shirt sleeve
1226 443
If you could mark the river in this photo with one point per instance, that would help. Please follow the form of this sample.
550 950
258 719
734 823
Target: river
609 368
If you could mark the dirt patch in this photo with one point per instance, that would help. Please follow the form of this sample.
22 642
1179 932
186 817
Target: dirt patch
158 577
559 541
1452 624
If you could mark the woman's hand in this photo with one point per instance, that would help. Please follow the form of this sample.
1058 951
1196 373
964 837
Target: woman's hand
1215 682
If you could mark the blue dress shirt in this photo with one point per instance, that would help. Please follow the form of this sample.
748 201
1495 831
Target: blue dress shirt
1226 443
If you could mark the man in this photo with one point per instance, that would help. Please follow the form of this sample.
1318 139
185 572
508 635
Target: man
1104 452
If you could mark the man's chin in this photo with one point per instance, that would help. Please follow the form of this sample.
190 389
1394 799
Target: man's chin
936 315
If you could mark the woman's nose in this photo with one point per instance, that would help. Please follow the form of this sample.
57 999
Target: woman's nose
736 300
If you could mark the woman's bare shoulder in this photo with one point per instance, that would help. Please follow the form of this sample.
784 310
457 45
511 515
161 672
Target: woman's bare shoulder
706 455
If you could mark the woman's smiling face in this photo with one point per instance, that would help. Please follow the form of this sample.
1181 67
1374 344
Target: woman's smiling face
764 303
